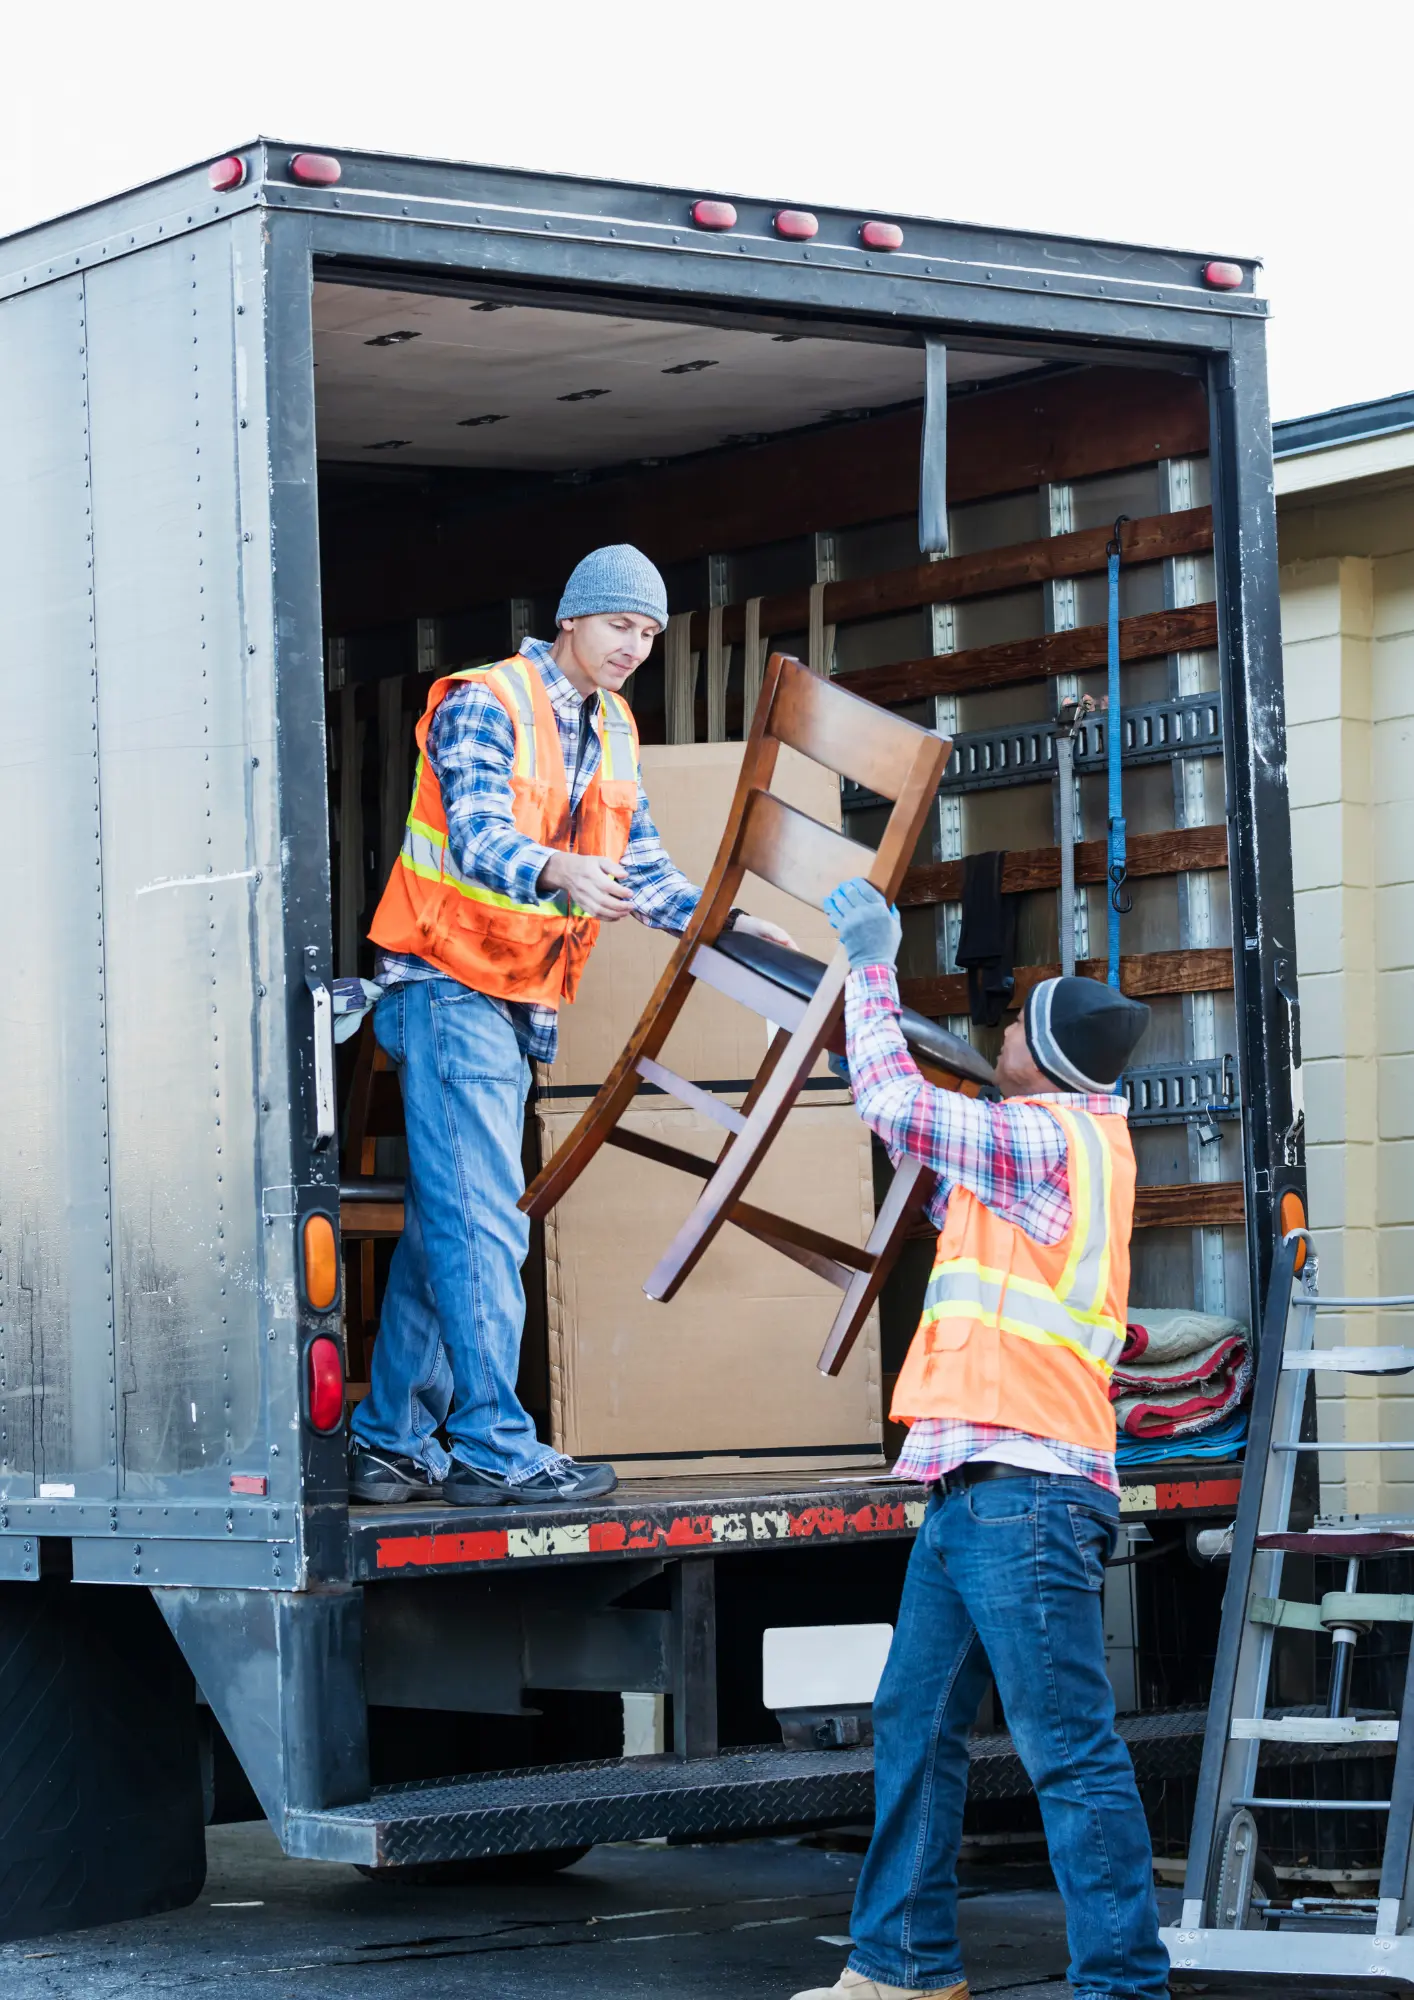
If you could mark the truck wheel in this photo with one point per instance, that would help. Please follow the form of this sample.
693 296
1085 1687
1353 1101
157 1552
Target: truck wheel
479 1868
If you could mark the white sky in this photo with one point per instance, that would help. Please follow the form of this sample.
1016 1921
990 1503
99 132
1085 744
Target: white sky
1275 130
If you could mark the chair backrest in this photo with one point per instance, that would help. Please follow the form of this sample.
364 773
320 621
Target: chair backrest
882 752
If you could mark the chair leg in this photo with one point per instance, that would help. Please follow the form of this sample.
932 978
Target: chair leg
908 1196
743 1154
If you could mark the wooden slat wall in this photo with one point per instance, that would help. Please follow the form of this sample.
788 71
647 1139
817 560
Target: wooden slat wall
1030 868
1145 976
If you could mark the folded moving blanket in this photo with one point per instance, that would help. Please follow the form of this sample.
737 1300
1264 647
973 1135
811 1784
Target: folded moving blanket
1222 1441
1181 1372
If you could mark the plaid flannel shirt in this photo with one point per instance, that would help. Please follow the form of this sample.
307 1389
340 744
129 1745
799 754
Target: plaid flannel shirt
1012 1157
471 747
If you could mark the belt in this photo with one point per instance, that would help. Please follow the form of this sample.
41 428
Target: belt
978 1469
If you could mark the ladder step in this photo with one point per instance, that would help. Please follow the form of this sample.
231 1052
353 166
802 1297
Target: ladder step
1353 1360
1311 1729
1343 1542
1319 1805
1336 1608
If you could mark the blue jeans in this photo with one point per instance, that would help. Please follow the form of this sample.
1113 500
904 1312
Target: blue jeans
448 1345
1008 1572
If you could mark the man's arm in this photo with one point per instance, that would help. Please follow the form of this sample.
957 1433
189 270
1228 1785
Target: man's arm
1001 1152
660 894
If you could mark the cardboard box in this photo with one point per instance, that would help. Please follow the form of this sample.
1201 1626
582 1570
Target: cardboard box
724 1377
690 787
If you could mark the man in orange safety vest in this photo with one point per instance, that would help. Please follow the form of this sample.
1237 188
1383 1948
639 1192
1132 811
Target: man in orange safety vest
1006 1391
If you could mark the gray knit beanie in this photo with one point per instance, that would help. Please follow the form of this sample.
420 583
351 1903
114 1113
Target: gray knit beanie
1082 1033
619 578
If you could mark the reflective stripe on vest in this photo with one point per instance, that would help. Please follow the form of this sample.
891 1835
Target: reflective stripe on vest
1069 1314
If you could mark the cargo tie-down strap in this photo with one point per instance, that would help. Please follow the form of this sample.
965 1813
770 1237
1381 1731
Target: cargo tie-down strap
1120 901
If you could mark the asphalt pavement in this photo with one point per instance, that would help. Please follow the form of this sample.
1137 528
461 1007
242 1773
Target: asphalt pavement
745 1920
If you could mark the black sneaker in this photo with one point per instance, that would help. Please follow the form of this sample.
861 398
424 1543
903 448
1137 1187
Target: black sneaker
381 1478
553 1484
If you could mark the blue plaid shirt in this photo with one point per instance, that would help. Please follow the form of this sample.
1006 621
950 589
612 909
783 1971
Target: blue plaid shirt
471 748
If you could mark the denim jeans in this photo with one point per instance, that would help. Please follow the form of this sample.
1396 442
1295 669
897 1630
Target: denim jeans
448 1344
1008 1572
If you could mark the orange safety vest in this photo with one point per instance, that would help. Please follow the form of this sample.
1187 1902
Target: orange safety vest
493 943
1023 1334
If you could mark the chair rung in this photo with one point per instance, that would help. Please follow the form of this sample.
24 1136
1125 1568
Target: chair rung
692 1094
1353 1360
1311 1729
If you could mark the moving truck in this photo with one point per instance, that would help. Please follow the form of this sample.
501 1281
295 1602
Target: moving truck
282 436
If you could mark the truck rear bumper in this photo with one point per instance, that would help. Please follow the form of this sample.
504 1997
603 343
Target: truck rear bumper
702 1515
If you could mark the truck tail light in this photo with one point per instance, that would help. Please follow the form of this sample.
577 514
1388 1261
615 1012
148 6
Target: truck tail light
1291 1212
321 1262
881 236
714 215
227 173
325 1385
1222 277
315 169
797 225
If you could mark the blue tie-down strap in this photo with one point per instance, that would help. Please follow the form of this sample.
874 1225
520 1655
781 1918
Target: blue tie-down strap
1120 901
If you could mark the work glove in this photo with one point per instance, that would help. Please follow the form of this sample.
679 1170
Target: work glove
867 926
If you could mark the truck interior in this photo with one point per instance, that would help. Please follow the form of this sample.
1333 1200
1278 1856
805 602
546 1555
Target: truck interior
471 448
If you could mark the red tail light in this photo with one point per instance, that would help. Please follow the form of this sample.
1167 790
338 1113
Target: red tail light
227 173
714 215
1222 277
315 169
881 236
325 1402
797 225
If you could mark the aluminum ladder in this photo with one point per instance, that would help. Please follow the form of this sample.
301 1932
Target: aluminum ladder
1225 1926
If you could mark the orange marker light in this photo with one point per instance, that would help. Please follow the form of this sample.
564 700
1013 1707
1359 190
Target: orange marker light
321 1263
1291 1212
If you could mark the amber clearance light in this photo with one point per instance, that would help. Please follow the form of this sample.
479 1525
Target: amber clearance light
321 1262
1291 1212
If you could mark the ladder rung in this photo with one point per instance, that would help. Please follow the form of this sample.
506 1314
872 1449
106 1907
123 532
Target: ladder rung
1338 1305
1311 1729
1391 1444
1319 1805
1353 1360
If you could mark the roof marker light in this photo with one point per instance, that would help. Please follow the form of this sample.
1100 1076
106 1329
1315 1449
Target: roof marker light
226 174
714 215
1222 277
881 236
315 169
797 225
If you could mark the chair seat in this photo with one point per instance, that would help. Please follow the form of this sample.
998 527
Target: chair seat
799 974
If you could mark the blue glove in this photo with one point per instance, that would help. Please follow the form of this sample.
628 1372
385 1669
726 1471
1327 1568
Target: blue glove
867 926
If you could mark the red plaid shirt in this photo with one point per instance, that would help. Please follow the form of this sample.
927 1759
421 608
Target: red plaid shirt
1012 1157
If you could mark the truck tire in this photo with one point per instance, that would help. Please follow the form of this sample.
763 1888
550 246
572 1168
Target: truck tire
100 1775
479 1868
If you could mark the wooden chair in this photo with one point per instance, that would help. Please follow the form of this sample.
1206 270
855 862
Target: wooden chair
768 838
369 1208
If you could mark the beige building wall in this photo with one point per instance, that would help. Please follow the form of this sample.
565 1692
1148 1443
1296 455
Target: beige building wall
1347 554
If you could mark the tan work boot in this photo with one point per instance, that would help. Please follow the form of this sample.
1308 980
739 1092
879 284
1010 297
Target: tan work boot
854 1986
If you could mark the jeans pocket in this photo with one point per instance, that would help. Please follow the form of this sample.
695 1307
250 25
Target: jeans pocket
474 1041
1095 1536
1002 1500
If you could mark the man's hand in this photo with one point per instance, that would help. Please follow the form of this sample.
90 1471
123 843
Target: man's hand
867 926
594 883
758 927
